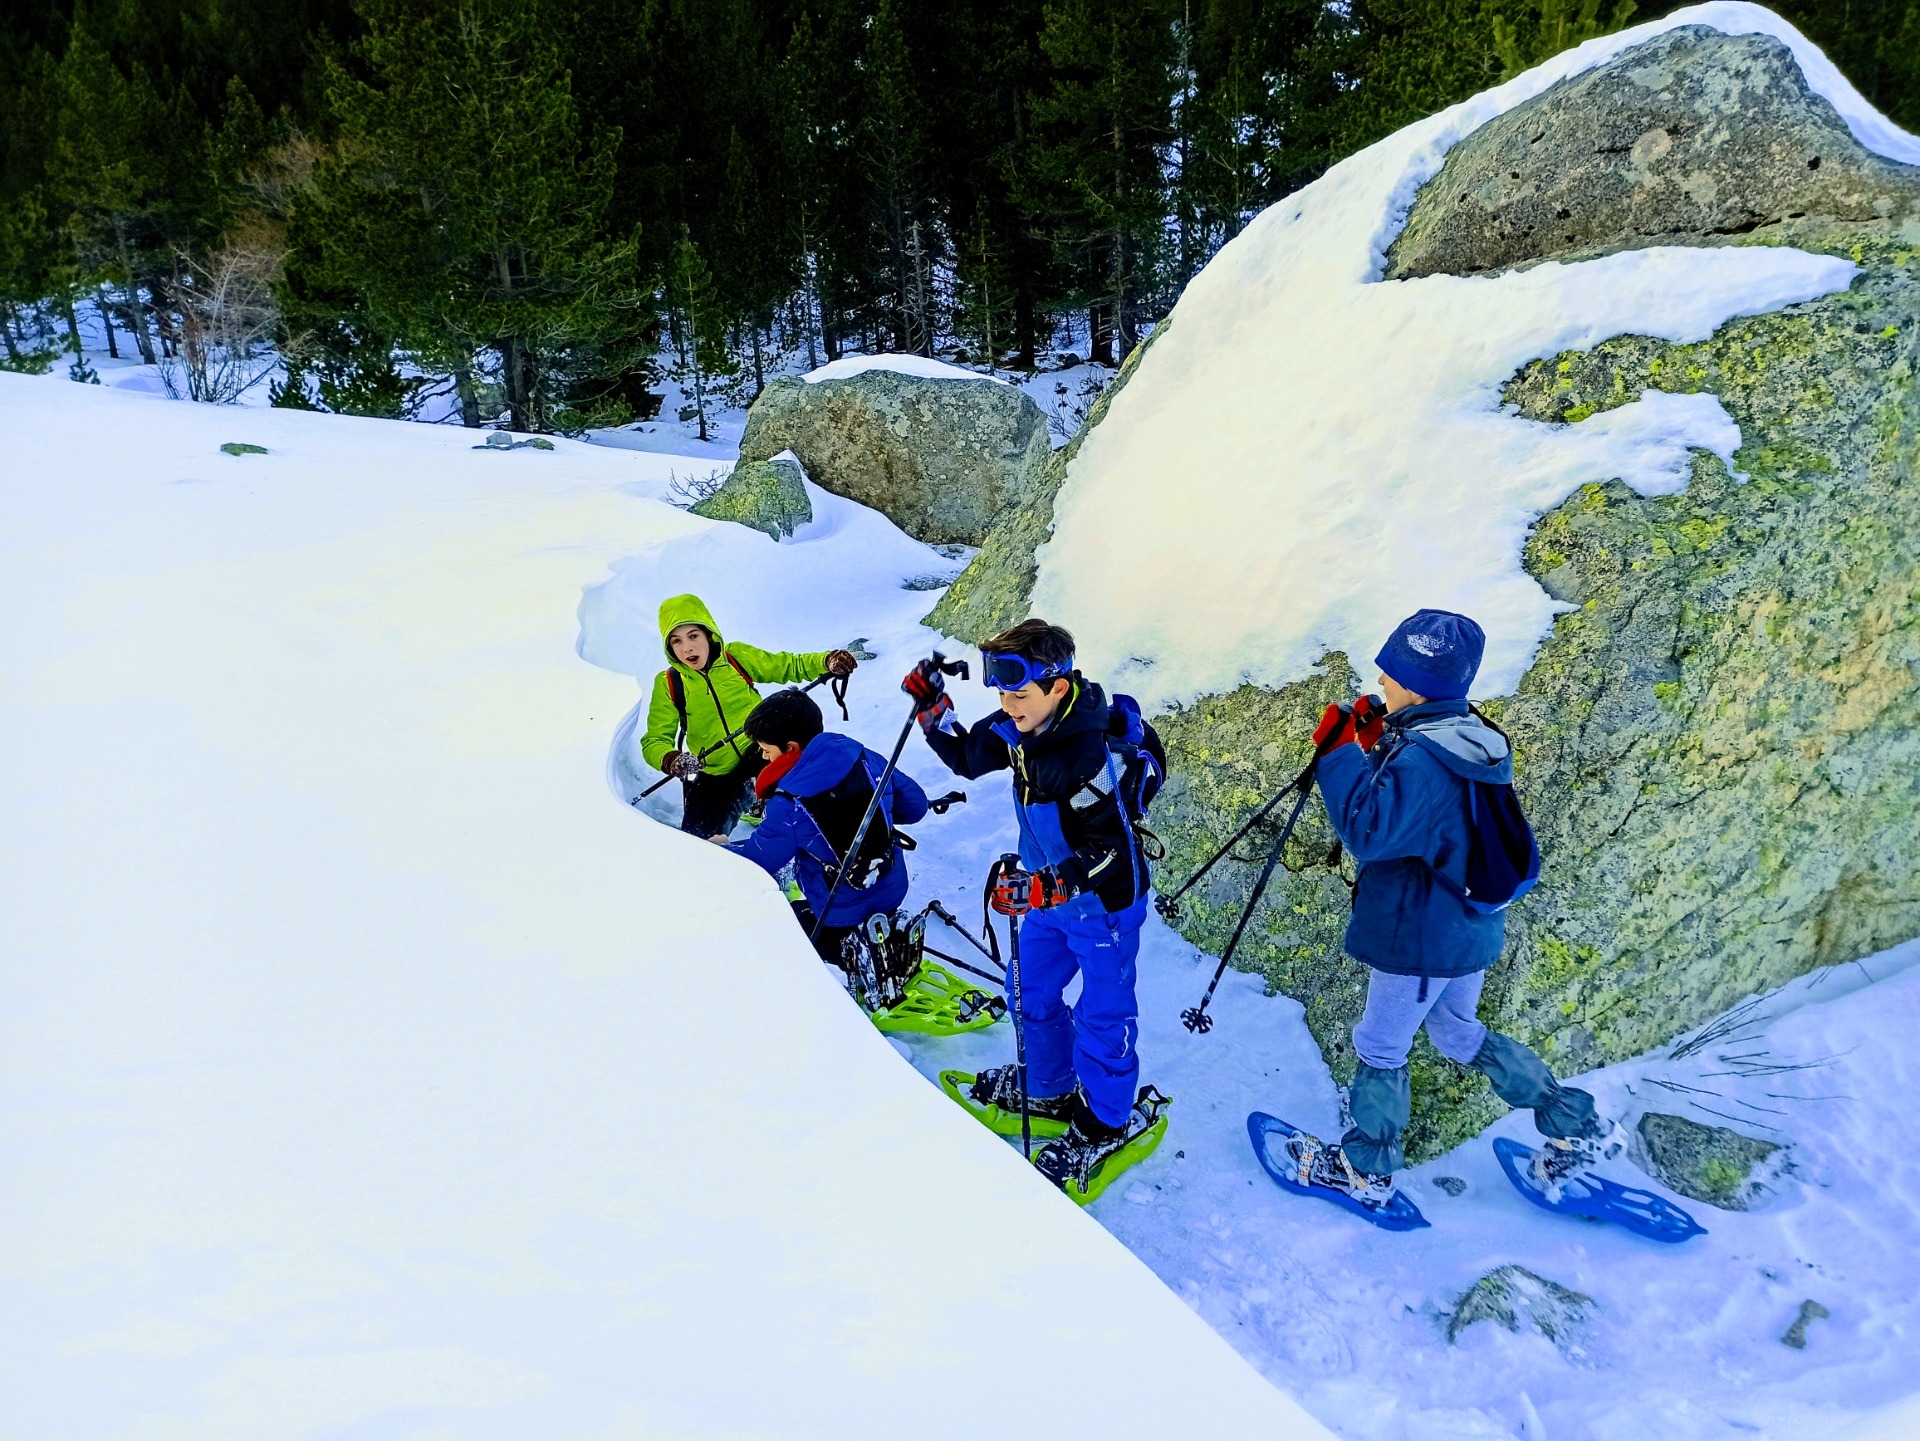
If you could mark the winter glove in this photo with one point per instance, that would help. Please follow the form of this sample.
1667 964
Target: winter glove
925 683
1049 889
681 765
937 716
1360 723
1013 892
841 662
1369 721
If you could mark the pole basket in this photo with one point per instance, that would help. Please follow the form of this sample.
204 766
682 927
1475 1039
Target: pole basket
1196 1019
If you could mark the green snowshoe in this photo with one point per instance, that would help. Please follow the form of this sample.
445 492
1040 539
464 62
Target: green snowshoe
1084 1165
993 1099
936 1002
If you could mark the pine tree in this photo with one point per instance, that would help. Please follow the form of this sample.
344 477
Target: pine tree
984 315
464 204
894 143
699 329
1100 156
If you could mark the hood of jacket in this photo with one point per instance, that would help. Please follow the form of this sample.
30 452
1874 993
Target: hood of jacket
680 610
1459 739
826 761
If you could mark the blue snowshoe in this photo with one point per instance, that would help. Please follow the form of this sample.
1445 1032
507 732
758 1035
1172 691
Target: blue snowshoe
1299 1162
1594 1198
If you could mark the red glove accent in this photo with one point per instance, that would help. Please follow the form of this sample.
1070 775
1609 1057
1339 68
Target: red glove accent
925 683
933 715
1013 892
1049 890
1369 721
1335 728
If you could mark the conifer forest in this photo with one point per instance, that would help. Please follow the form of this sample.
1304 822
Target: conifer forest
536 209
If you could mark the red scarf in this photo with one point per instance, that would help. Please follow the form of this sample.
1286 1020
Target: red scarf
769 777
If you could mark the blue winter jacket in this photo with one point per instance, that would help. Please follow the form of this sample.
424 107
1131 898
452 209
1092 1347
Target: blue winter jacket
1402 813
788 831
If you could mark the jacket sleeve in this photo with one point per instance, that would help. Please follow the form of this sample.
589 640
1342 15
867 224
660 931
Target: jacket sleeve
973 752
663 724
909 801
779 667
1379 815
775 841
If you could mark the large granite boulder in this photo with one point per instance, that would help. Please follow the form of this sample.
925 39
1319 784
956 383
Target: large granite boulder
940 457
1692 138
1719 740
1713 1164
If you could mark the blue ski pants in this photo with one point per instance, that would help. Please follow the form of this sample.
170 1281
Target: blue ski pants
1381 1097
1091 1042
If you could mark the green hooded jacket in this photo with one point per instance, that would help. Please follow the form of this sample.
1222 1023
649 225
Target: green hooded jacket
718 698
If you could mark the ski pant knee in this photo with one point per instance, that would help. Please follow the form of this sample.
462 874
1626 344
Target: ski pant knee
1381 1101
1522 1080
1093 1042
1397 1007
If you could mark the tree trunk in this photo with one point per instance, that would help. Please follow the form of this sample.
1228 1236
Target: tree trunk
1100 335
6 330
73 331
469 394
513 378
1023 327
106 319
759 380
134 315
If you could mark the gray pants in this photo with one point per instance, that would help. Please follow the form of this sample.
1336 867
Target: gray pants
1382 1092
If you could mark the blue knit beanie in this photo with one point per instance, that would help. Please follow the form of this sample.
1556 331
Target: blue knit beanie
1434 653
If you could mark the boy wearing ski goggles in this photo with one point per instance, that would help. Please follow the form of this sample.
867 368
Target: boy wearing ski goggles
1078 895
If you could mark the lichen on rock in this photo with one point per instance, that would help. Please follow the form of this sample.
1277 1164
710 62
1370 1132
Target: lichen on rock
769 495
1512 1296
1707 1163
941 458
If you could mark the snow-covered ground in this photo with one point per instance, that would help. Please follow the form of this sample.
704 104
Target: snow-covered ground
1308 454
366 1070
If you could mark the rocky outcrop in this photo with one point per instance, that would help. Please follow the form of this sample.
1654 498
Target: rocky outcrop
1719 741
1693 138
769 495
1513 1296
941 458
1707 1163
992 592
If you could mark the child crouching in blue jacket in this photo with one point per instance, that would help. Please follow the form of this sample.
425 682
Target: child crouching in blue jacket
1399 796
816 786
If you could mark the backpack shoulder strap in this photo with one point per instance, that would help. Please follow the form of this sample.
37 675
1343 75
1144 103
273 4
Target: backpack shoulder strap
739 669
677 693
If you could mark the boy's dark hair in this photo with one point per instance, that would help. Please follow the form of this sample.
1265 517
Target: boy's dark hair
786 715
1035 639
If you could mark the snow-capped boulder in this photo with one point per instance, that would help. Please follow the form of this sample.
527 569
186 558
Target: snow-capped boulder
1513 1296
1693 138
939 455
769 495
1676 485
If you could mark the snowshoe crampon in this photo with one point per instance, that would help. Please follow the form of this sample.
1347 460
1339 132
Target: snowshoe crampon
1086 1176
936 1002
1274 1143
1001 1120
1595 1198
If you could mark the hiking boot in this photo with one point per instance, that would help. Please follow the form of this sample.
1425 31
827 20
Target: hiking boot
1560 1158
1318 1164
1088 1141
1000 1086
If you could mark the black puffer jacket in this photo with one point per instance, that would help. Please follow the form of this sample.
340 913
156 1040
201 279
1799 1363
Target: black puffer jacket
1064 791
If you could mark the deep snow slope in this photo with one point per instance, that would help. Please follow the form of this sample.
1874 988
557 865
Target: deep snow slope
1307 453
367 1071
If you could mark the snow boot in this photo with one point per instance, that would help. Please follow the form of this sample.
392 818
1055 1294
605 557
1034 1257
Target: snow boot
1318 1164
1560 1158
1085 1161
1301 1163
994 1096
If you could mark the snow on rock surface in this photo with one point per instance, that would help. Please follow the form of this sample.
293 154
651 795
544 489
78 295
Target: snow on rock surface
1307 454
923 366
368 1071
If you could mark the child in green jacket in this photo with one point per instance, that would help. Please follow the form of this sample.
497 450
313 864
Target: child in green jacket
702 698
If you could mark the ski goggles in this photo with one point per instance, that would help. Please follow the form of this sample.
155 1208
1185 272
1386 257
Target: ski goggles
1011 672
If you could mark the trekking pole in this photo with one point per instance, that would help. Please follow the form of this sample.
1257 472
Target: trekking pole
731 735
1011 862
953 923
1195 1018
946 667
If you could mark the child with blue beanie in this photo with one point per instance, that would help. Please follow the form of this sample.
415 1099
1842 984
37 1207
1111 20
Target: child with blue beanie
1399 793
